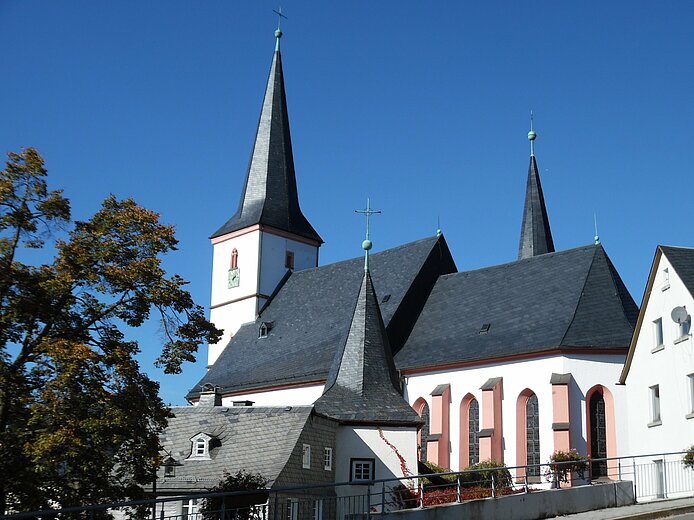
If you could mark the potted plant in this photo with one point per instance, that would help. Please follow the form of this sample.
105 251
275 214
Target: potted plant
563 464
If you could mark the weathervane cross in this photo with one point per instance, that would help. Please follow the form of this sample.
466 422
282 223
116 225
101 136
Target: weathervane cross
366 244
367 213
279 14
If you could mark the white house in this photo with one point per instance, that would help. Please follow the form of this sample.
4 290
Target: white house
659 370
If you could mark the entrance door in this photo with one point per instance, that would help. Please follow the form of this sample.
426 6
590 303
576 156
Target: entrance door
598 434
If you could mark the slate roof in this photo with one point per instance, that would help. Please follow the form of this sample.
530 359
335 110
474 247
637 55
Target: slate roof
312 312
568 299
682 260
362 386
536 236
240 433
269 195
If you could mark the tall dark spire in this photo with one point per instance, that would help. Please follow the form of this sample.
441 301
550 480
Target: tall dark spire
536 236
269 195
363 385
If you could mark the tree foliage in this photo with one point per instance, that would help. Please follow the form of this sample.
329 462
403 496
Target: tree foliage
235 506
79 421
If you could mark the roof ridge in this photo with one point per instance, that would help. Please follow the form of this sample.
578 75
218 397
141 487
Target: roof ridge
529 259
612 271
371 255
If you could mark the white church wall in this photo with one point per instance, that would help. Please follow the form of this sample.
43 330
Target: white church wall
534 375
230 318
297 396
587 371
669 367
391 448
517 376
273 251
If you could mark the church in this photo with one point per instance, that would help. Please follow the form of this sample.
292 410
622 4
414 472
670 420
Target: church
510 362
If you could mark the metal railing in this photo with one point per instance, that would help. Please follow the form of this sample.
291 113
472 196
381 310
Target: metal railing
653 476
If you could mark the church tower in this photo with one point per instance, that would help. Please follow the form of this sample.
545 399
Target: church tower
536 236
268 236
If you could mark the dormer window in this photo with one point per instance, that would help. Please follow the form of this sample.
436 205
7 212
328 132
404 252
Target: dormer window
264 328
200 446
170 467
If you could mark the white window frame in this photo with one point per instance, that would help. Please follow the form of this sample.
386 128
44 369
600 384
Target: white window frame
318 509
658 335
654 394
189 509
666 279
690 391
200 446
292 509
357 467
328 459
306 457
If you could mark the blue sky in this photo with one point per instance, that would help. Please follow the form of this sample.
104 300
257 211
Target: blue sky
424 107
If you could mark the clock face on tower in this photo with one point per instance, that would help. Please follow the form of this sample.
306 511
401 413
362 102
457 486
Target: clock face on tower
234 277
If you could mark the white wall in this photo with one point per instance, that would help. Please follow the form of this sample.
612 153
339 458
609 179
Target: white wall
667 367
231 316
301 396
532 374
261 262
366 442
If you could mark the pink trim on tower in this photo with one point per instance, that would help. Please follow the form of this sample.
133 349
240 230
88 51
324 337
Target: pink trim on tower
437 450
611 432
522 432
266 229
492 433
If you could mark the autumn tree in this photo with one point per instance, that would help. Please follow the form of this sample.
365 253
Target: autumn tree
79 420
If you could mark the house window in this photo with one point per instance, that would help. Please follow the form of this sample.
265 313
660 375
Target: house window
292 509
317 510
328 459
306 462
665 279
361 470
169 469
234 259
189 509
200 448
690 383
655 404
289 260
684 328
658 333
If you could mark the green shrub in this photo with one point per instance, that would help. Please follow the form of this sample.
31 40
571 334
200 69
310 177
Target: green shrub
480 474
688 459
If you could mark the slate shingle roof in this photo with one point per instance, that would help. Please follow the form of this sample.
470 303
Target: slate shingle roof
682 260
269 195
536 235
240 433
362 386
572 298
312 312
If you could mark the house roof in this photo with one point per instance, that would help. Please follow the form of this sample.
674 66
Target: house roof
312 313
269 195
239 434
569 299
536 235
362 386
682 261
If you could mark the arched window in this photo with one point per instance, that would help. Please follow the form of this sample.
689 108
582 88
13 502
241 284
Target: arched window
600 426
422 408
469 431
234 259
528 434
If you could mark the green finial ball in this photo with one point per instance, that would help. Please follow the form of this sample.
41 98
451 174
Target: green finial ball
278 33
532 135
366 245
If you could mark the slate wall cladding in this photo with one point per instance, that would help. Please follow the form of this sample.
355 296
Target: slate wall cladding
319 433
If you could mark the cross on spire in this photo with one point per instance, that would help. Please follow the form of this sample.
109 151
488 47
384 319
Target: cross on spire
278 31
532 135
366 244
